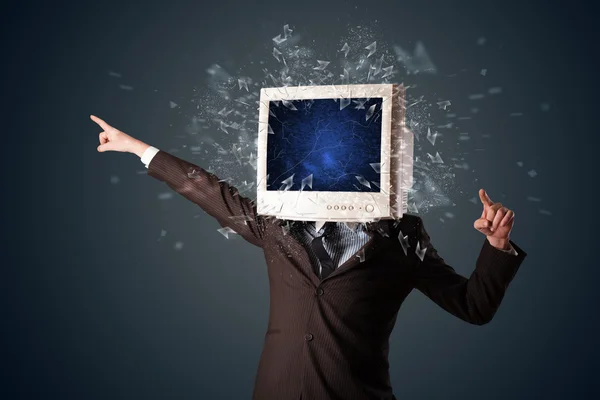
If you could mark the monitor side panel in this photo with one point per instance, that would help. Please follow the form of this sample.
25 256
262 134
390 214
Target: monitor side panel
402 151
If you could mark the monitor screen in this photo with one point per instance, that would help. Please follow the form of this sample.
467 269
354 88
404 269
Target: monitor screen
331 145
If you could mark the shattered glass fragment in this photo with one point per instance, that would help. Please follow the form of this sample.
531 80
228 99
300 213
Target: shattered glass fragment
544 107
114 74
165 196
226 231
322 65
431 137
449 214
404 242
363 181
516 114
376 167
361 255
520 163
114 180
345 49
308 181
412 207
289 105
474 200
388 71
437 159
178 245
271 130
223 127
495 90
360 104
172 104
419 62
193 174
344 102
480 41
483 72
443 104
420 252
377 66
126 87
276 54
545 212
372 49
370 112
345 77
531 198
243 84
241 218
278 39
287 183
532 173
287 32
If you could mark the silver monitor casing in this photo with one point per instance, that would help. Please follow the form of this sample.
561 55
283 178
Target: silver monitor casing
396 163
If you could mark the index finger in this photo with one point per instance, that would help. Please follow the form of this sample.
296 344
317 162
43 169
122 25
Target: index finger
100 122
485 199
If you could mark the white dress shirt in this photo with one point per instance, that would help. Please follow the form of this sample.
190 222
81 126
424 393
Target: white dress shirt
339 254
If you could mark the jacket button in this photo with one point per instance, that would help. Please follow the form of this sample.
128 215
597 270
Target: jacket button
320 292
308 337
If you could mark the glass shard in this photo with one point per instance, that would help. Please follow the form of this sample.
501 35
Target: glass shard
226 231
363 181
370 112
308 181
420 252
372 49
322 65
345 49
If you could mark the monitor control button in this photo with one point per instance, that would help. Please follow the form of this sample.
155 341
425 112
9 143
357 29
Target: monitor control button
336 207
350 208
369 208
343 207
329 207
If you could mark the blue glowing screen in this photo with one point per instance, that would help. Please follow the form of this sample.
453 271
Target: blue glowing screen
315 142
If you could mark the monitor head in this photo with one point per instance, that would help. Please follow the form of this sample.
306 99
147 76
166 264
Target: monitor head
333 153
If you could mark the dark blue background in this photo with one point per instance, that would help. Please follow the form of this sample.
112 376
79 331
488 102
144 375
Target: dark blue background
333 145
94 306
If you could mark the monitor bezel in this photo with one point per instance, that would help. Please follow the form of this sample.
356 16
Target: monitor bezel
321 205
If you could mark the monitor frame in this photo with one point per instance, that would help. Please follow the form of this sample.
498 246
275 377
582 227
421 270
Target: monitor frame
308 205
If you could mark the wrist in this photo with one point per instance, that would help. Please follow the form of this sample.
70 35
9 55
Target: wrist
502 244
139 148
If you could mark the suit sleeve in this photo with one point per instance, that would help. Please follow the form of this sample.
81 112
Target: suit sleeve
219 199
476 299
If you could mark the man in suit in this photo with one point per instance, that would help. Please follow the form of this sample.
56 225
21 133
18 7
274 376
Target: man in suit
335 292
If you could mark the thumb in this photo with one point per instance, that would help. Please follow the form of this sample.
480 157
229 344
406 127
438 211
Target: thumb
106 147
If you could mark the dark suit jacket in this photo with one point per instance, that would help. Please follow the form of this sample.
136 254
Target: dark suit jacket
328 339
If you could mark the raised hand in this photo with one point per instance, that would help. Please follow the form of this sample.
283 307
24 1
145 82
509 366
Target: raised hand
112 139
496 221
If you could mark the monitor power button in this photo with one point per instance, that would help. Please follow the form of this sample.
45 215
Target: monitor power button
369 208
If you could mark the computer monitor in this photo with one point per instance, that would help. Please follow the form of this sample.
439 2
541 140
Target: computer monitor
333 153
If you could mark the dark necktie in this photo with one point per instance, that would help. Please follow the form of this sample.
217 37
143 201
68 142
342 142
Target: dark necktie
327 266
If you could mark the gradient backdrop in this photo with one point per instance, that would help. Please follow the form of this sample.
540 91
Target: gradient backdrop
95 306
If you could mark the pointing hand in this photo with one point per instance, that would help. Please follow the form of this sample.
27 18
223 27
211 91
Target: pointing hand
495 222
112 139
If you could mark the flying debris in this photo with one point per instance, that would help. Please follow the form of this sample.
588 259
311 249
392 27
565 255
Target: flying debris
345 49
372 49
